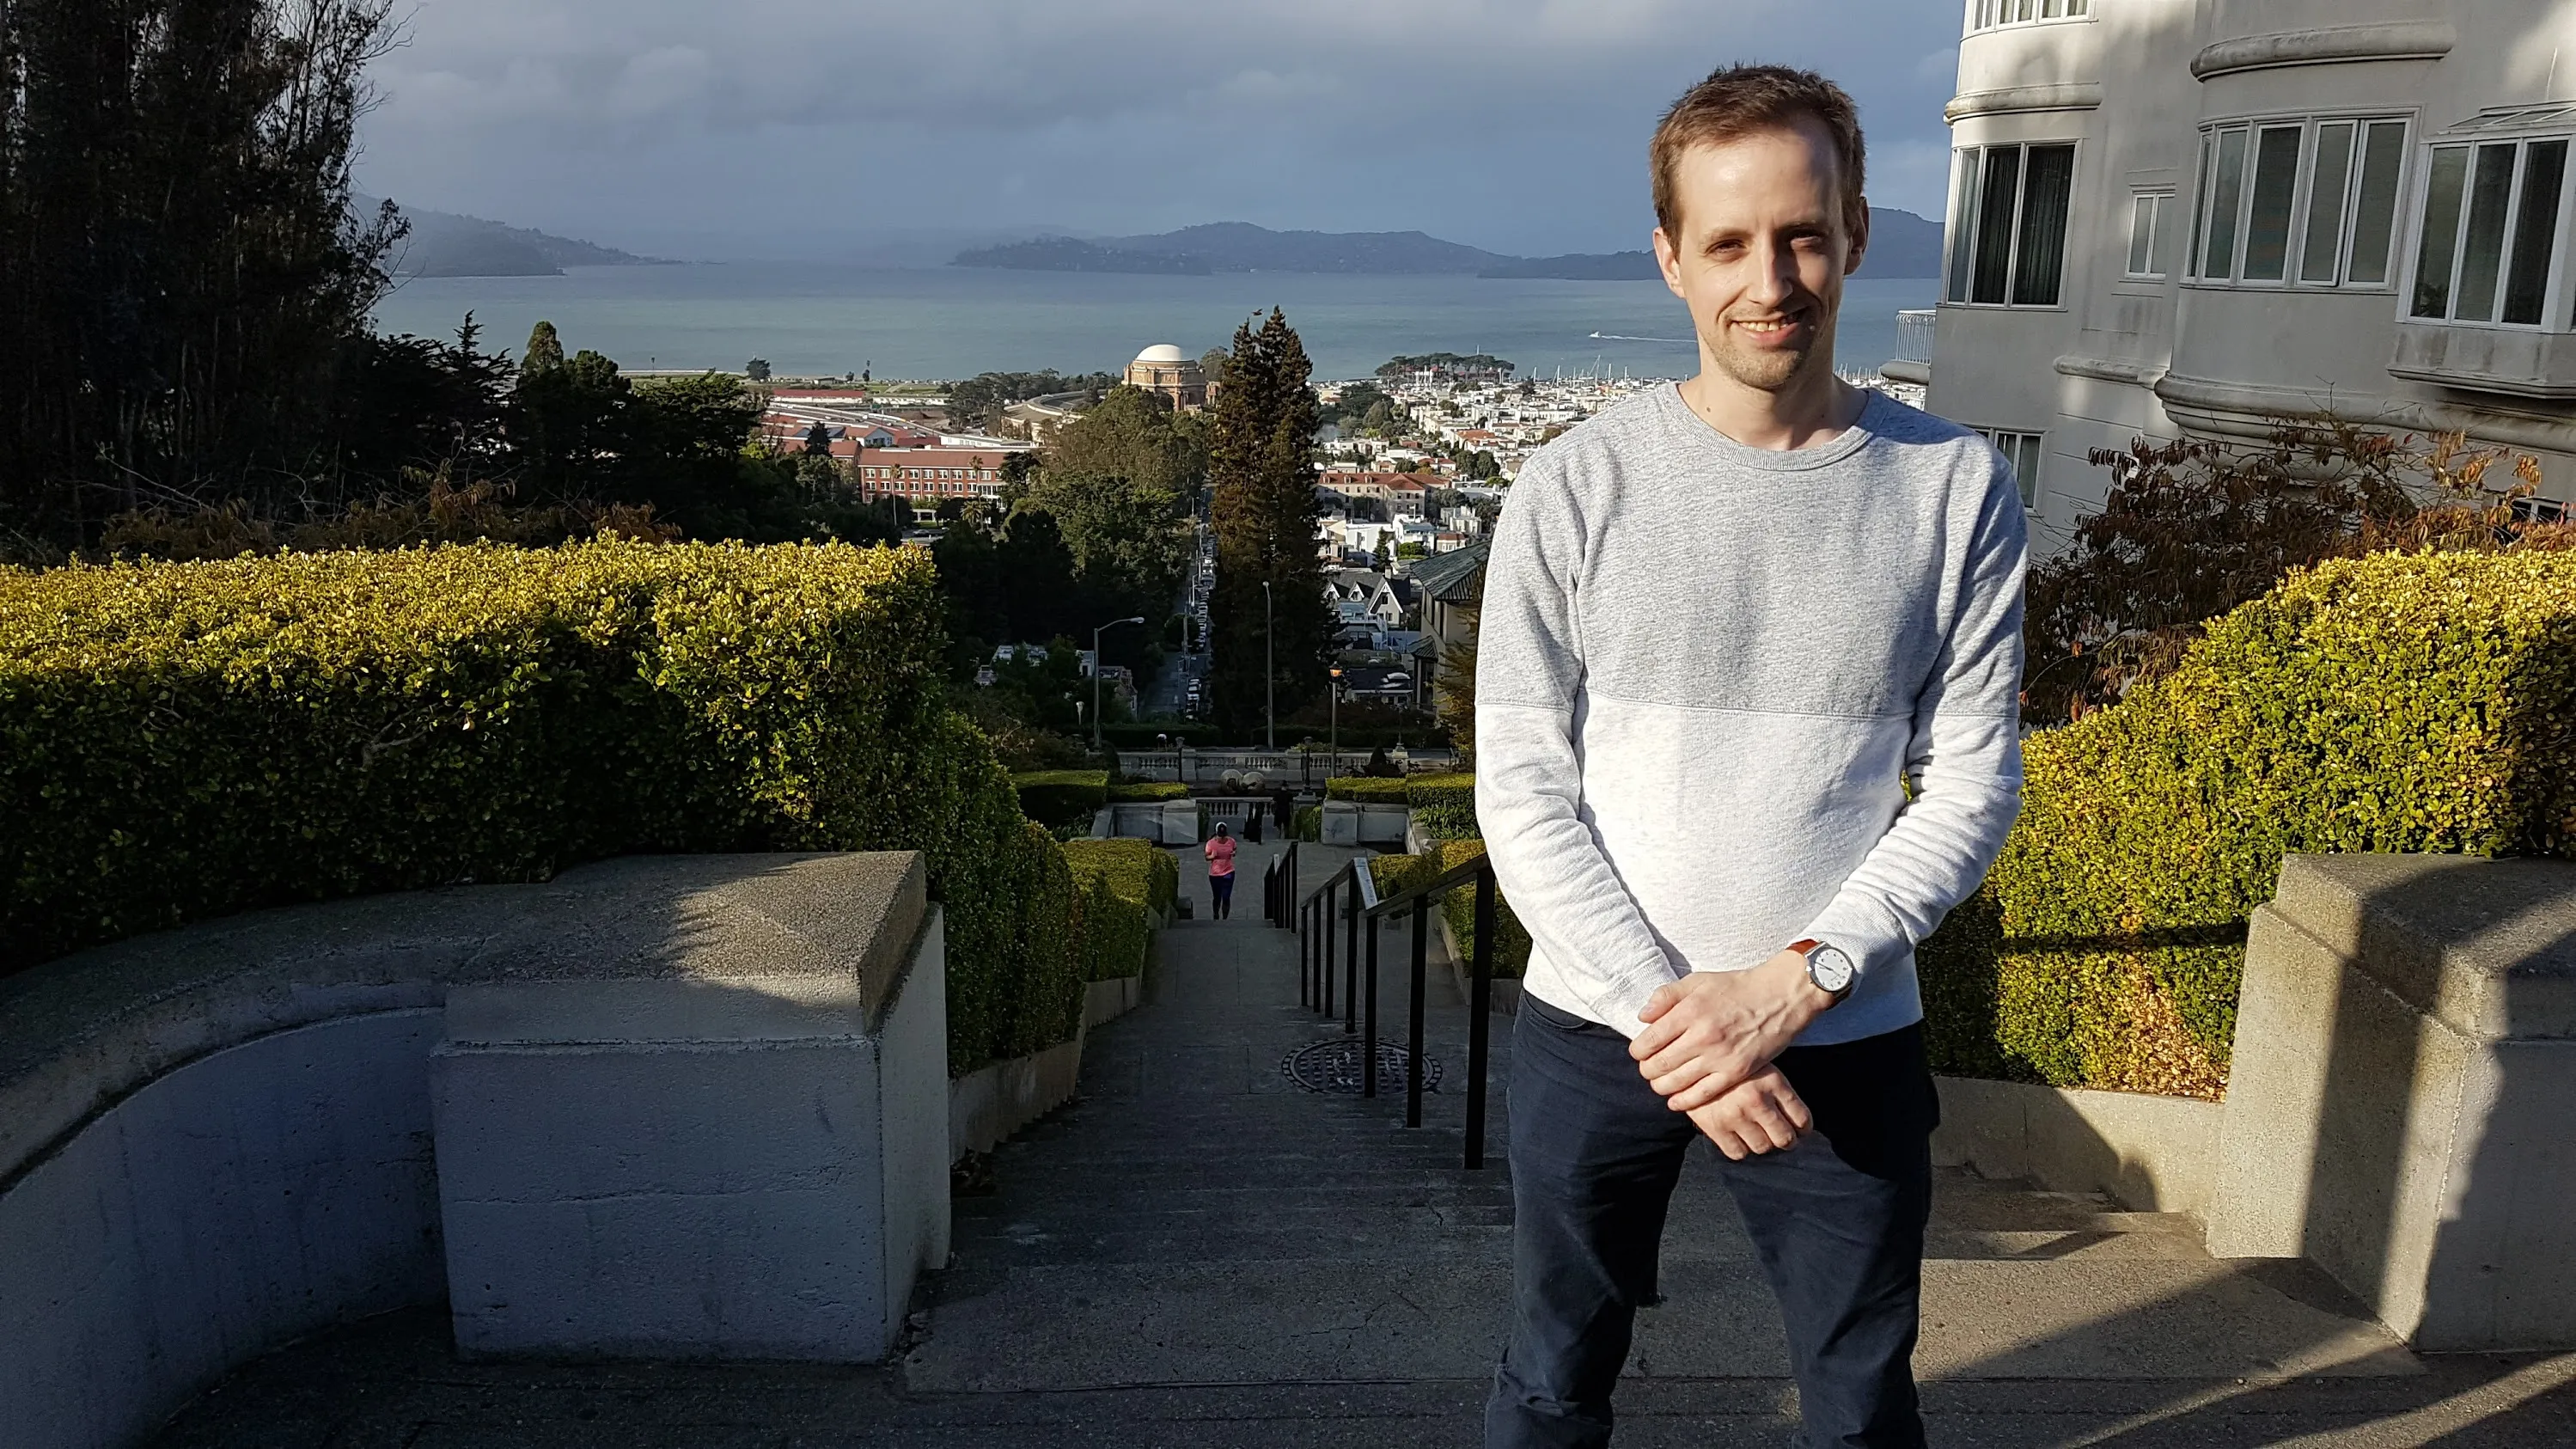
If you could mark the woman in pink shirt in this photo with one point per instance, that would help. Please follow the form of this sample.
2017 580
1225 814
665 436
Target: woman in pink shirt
1220 859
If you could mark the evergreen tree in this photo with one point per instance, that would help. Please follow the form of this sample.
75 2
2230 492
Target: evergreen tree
1264 514
545 349
818 441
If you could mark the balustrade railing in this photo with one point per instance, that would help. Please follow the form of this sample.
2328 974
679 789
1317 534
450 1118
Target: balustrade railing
1348 898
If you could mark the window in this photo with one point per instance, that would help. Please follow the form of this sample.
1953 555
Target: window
2008 224
2542 510
2310 203
2490 235
2150 248
1987 14
2021 450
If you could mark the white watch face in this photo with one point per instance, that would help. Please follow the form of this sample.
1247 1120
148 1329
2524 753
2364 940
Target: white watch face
1830 969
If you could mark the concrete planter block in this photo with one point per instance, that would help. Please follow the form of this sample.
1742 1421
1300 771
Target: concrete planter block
219 1139
1383 824
1180 822
2405 1073
1341 823
741 1153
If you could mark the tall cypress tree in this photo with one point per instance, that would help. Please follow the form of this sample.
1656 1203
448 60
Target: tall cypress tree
1264 513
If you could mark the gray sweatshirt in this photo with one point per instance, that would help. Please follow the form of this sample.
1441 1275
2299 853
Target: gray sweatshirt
1705 674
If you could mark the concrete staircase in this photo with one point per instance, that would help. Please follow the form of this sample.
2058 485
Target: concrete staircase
1195 1219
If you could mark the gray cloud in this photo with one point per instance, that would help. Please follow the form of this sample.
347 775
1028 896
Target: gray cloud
790 127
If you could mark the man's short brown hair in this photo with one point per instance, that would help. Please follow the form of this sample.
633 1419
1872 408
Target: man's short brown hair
1740 100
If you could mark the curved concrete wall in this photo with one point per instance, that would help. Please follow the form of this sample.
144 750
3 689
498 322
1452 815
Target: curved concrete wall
249 1197
222 1138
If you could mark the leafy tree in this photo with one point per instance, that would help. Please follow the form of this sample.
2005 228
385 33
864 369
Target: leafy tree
2192 529
184 288
757 369
1265 517
818 440
977 403
545 349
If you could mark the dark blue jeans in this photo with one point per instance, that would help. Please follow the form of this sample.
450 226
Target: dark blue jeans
1837 1221
1220 896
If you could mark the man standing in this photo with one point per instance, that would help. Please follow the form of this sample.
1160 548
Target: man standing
1725 625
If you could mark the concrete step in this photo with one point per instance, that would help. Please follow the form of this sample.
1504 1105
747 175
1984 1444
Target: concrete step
1098 1325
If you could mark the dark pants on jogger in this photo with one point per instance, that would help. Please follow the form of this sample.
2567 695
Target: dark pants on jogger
1837 1221
1220 896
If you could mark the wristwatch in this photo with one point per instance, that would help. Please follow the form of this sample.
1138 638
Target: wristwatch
1829 968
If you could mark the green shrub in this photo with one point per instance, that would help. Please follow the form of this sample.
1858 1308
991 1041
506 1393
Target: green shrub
2391 703
1307 823
1392 873
1061 797
1444 806
179 741
1113 930
1137 870
1458 907
1365 790
1137 792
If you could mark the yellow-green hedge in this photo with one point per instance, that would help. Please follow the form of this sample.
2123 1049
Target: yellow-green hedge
1392 873
2393 703
180 741
1139 870
1147 791
1444 805
1365 789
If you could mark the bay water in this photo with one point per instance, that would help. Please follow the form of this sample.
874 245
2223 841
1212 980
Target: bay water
813 319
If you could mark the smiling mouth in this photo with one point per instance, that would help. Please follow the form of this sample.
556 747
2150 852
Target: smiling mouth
1771 327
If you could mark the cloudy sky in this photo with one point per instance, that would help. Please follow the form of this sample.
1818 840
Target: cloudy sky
803 128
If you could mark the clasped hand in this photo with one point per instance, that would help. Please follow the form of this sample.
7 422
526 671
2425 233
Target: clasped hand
1708 1047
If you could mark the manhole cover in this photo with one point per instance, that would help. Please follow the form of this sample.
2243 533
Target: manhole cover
1334 1066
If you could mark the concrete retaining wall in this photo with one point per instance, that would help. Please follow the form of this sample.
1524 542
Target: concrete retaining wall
2150 1154
219 1139
259 1193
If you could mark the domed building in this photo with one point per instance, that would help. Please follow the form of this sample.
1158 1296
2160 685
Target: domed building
1165 369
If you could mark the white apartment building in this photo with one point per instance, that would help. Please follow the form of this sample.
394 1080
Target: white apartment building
2197 216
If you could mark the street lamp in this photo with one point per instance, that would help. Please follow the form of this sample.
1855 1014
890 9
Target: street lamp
1333 760
1095 676
1269 678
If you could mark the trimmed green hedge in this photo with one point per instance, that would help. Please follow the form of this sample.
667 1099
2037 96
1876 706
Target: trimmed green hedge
179 741
1365 789
1308 823
2392 703
1444 806
1138 792
1139 870
1117 882
1061 797
1393 873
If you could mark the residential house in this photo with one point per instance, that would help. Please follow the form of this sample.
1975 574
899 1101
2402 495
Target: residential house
2200 217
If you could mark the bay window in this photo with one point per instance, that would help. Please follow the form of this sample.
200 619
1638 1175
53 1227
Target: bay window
2299 201
2490 244
2007 229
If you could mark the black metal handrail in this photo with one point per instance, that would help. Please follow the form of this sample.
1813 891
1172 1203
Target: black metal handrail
1349 896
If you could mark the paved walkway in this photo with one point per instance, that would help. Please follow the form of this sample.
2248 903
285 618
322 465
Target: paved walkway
1197 1253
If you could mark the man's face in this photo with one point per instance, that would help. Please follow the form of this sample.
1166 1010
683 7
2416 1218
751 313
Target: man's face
1763 251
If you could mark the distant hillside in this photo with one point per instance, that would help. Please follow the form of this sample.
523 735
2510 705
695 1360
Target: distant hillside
1234 246
1582 267
444 244
1065 254
1901 245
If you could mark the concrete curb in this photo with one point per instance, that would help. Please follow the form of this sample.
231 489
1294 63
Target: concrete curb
987 1105
2150 1154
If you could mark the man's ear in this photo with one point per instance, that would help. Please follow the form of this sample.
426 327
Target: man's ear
1860 240
1668 259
